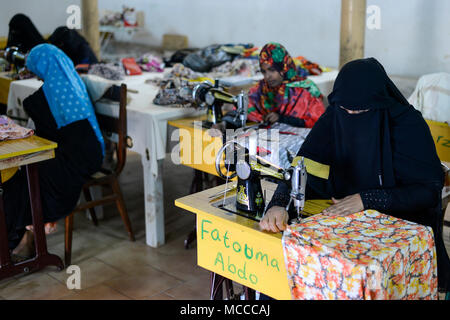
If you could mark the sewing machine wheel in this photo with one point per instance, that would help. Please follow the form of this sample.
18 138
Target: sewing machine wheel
225 167
226 171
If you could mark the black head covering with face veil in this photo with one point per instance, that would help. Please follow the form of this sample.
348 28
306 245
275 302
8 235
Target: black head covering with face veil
386 147
73 44
23 34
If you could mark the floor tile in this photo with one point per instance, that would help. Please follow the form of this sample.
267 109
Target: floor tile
37 286
146 282
99 292
92 272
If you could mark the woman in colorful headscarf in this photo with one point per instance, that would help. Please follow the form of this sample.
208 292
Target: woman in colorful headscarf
62 112
371 150
283 96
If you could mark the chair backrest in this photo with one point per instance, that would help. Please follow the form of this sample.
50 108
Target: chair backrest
115 129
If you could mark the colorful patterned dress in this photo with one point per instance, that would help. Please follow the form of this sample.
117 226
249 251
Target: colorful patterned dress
296 97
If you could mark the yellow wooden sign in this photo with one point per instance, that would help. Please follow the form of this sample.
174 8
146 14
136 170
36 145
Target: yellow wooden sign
242 255
234 246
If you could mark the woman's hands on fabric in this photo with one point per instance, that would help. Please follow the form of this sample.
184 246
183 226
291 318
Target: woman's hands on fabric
275 220
217 129
272 117
345 206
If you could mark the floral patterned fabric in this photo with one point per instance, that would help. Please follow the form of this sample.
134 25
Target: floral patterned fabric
10 131
366 255
295 97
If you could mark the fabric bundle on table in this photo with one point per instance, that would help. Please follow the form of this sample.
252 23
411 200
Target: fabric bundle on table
108 71
150 63
214 55
432 97
366 255
176 92
10 131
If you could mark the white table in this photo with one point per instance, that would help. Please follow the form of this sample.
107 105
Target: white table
147 126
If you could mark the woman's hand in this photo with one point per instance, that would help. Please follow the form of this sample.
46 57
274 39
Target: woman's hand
275 220
343 207
272 117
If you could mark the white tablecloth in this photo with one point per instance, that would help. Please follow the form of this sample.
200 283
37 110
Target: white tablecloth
147 126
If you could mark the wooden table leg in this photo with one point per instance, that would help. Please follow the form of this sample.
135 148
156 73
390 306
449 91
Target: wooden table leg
42 258
216 289
5 259
196 186
249 294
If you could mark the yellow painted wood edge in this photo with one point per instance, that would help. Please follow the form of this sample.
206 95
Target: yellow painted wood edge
8 174
313 167
436 123
4 40
47 145
187 123
274 237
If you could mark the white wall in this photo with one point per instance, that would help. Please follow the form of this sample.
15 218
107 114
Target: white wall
414 38
46 15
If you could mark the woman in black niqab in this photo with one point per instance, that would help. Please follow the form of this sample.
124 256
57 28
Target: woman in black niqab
380 155
23 34
74 45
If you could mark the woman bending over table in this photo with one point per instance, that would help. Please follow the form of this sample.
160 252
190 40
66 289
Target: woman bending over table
62 112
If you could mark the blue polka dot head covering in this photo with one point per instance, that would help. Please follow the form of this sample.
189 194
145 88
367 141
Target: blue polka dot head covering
65 91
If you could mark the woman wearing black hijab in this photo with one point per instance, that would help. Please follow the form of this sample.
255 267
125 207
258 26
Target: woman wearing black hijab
73 45
23 34
378 153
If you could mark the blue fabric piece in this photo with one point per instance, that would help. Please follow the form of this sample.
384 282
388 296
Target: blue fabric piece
66 93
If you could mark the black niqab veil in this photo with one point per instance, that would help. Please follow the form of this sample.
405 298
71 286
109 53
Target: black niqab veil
74 45
23 34
387 147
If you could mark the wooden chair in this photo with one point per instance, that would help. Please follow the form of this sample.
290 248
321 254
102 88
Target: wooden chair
115 130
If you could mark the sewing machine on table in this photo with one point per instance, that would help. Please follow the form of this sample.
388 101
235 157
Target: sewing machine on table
212 97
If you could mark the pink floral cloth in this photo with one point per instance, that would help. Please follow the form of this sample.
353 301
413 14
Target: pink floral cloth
10 131
366 255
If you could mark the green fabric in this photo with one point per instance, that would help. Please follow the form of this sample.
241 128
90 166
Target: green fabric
306 84
277 54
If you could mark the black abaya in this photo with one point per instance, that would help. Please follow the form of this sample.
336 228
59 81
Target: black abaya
386 154
78 155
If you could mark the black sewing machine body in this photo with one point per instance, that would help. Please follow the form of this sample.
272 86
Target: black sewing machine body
213 97
250 169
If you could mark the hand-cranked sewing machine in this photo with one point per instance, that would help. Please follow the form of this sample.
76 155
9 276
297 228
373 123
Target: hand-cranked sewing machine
14 56
17 59
250 168
213 97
